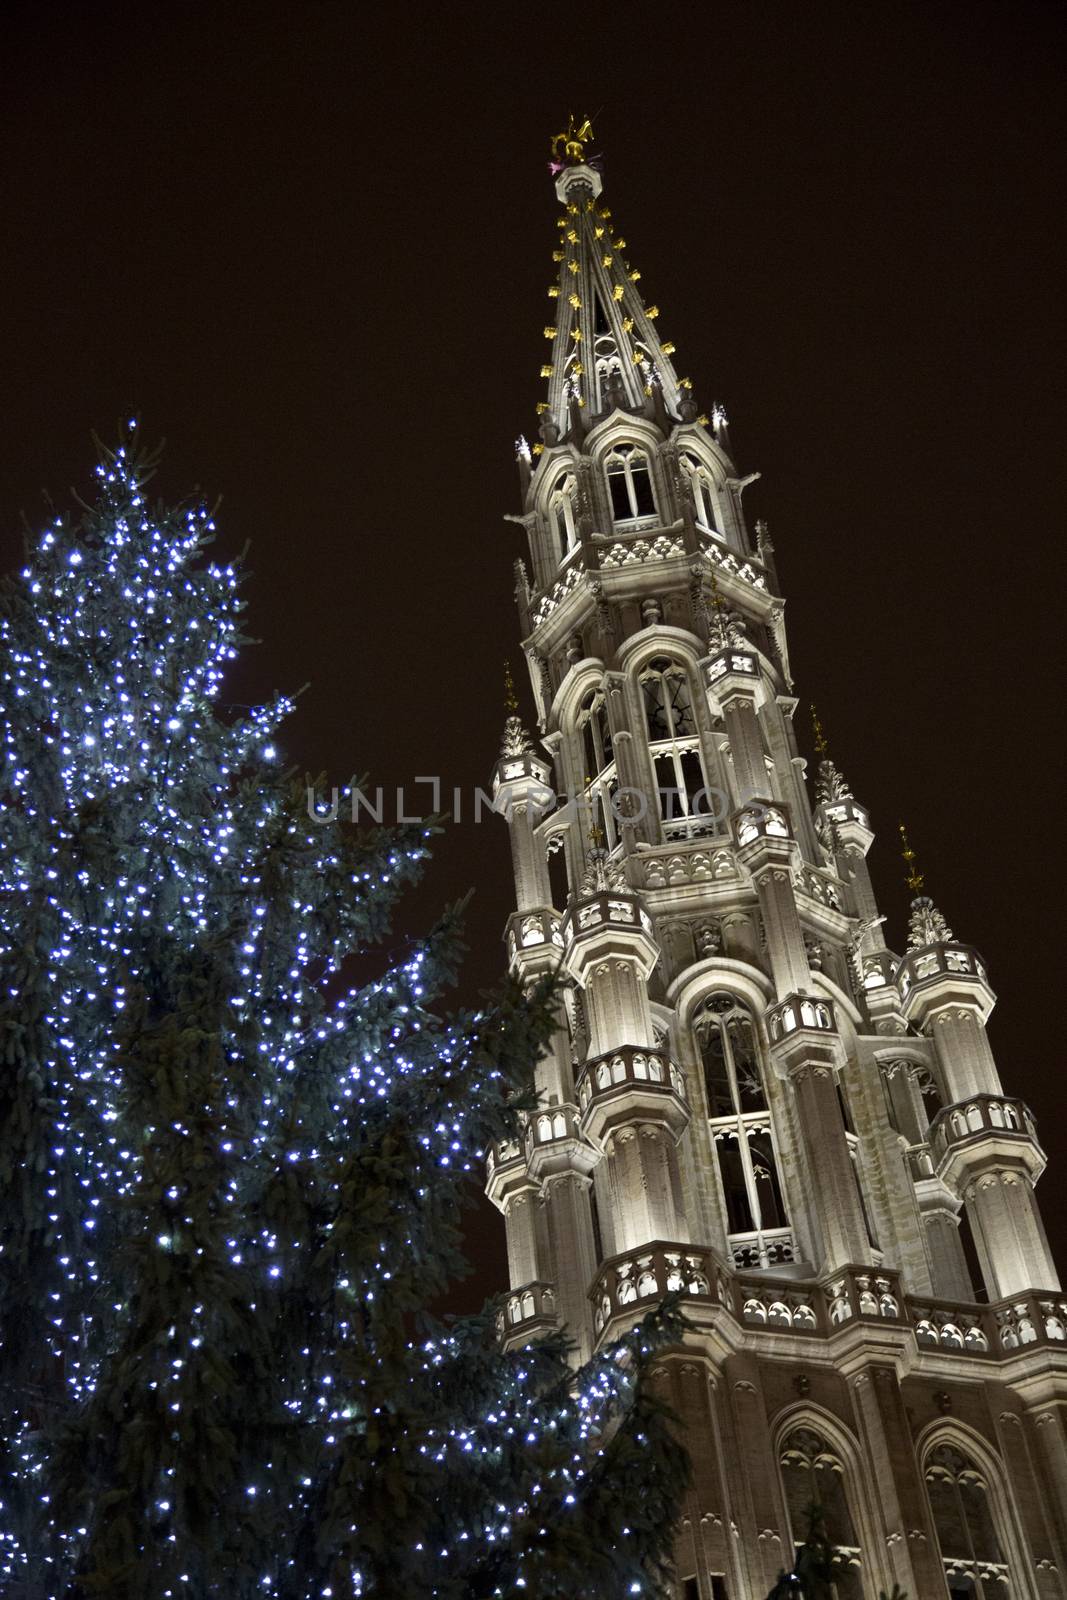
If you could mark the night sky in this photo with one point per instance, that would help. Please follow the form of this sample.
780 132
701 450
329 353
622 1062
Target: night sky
314 257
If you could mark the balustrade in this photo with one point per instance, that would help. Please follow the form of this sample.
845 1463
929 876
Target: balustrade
982 1113
854 1295
533 931
645 1276
526 1310
629 1064
936 961
761 1302
798 1011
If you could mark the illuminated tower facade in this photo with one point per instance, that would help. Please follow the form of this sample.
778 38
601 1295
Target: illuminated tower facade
751 1098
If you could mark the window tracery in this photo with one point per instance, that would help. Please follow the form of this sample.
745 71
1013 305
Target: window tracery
561 516
740 1123
684 802
814 1477
630 485
703 492
599 781
965 1524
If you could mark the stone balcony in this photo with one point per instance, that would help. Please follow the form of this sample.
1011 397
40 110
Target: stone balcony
554 1143
506 1172
802 1032
759 1303
985 1124
632 1083
526 1312
763 822
608 922
800 1013
941 975
732 672
533 935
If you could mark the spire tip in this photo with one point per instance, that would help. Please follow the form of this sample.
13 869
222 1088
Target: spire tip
914 878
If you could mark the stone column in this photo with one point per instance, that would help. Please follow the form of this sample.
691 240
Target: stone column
1025 1487
569 1230
1008 1231
1048 1425
766 1543
911 1551
950 1277
633 1110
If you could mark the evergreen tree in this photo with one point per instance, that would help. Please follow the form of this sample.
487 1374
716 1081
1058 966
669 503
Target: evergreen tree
230 1174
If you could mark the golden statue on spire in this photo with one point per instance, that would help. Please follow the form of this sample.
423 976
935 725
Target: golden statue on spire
822 748
569 148
511 703
914 879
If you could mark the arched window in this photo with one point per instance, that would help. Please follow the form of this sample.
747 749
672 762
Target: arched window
756 1220
608 368
598 781
912 1098
556 857
813 1478
682 795
630 485
702 489
561 516
975 1568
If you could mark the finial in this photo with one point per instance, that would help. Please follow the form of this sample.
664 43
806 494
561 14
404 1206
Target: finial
568 149
511 704
822 748
914 879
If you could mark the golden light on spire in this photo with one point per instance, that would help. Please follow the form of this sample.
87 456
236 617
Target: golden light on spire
570 146
822 748
914 878
511 704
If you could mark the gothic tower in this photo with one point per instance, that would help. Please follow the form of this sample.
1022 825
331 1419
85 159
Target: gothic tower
751 1098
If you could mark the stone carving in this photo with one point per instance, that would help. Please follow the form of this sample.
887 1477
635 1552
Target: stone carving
926 925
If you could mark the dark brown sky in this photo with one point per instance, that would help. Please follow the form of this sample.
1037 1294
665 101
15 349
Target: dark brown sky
314 257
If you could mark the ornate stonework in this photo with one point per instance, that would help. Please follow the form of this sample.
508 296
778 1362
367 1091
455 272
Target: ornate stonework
764 1107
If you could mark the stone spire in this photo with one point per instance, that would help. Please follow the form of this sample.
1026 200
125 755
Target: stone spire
605 350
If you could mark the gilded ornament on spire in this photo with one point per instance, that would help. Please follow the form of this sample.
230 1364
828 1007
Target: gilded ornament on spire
822 748
511 703
516 741
914 878
568 149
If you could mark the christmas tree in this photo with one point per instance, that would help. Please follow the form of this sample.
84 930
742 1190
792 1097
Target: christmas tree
231 1174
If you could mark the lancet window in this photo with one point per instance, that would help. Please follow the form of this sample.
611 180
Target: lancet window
702 489
740 1123
598 782
630 485
685 805
814 1479
964 1520
561 516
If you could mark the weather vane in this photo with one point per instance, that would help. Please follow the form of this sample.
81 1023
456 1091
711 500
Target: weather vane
568 149
914 879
